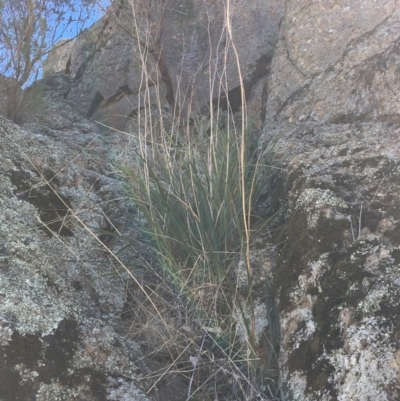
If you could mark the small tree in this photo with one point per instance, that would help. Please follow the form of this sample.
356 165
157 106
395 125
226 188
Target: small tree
28 30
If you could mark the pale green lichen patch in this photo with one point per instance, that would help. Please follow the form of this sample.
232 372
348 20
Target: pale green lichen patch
98 350
258 312
314 200
28 300
51 287
368 362
55 392
338 270
334 302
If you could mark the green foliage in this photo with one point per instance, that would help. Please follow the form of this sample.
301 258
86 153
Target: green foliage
197 194
192 198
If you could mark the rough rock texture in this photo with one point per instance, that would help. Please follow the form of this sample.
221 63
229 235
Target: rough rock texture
338 268
57 60
349 83
106 67
59 315
333 116
197 49
330 109
184 47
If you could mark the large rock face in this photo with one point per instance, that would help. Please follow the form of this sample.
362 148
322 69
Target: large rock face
333 111
326 71
338 267
186 48
324 77
61 332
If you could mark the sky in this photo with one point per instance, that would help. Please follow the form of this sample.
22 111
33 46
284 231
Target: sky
14 10
96 12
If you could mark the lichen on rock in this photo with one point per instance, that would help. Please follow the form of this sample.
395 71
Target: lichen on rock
55 307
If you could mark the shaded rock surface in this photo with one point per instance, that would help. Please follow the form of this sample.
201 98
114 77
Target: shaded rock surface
61 334
337 267
186 49
332 112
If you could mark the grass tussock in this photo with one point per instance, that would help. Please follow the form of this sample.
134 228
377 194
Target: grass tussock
195 180
197 193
